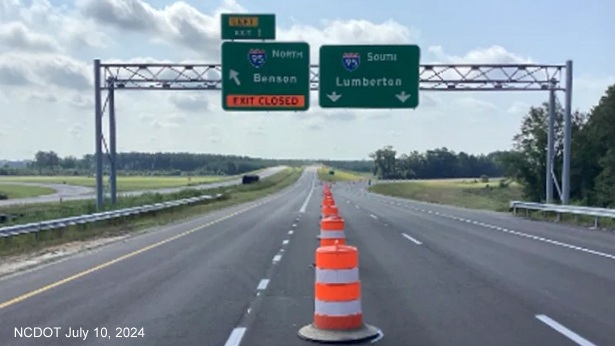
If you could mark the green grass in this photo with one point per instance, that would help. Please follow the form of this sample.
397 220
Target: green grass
458 192
232 195
124 183
24 191
340 175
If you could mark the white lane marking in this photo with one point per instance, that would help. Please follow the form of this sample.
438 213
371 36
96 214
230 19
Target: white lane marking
356 206
304 206
559 243
285 242
294 225
263 284
291 232
373 216
411 239
235 338
277 258
565 331
534 237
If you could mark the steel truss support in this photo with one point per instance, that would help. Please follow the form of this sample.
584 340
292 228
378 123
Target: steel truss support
433 77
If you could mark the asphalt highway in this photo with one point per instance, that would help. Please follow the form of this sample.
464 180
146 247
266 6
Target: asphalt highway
430 275
72 192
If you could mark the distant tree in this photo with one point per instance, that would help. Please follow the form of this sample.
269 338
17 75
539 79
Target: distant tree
384 162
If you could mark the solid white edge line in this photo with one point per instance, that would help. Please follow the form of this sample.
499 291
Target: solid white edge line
304 206
262 285
235 338
564 331
411 239
531 236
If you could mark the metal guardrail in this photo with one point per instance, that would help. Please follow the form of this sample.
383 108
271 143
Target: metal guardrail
36 227
597 213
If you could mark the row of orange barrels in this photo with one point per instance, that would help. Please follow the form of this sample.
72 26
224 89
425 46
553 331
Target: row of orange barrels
338 317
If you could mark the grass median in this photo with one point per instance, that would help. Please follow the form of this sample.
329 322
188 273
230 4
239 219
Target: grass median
124 183
12 191
469 193
340 175
232 195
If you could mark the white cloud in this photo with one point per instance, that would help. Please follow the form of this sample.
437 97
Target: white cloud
15 35
76 130
44 70
46 73
192 101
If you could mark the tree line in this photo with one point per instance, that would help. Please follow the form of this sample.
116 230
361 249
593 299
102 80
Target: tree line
592 180
434 164
135 163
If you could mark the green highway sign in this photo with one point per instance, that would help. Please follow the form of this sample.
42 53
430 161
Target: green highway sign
248 27
376 76
265 76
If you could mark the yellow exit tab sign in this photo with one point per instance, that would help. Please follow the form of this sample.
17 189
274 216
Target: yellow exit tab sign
247 26
243 22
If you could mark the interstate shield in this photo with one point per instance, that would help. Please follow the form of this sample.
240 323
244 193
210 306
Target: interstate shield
351 61
257 57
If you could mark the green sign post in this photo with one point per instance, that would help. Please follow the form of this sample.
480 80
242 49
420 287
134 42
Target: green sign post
265 76
361 76
248 26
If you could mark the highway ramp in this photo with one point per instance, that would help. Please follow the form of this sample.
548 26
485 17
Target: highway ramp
72 193
243 276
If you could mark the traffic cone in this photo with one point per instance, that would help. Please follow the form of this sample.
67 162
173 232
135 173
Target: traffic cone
328 201
332 231
337 305
329 210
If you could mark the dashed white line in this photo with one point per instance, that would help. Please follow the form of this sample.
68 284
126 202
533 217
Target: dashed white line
235 338
411 239
262 285
285 242
373 216
579 340
294 225
277 258
356 206
291 232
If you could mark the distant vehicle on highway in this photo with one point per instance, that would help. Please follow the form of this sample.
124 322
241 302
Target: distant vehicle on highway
249 179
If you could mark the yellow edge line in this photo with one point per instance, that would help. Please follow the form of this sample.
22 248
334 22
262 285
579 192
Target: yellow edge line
119 259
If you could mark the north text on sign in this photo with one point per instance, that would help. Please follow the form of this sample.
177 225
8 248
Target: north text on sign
286 54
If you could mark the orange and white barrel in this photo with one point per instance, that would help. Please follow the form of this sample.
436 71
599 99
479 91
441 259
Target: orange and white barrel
337 303
338 317
332 230
329 210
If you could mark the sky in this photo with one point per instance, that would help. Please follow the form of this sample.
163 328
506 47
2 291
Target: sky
46 79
